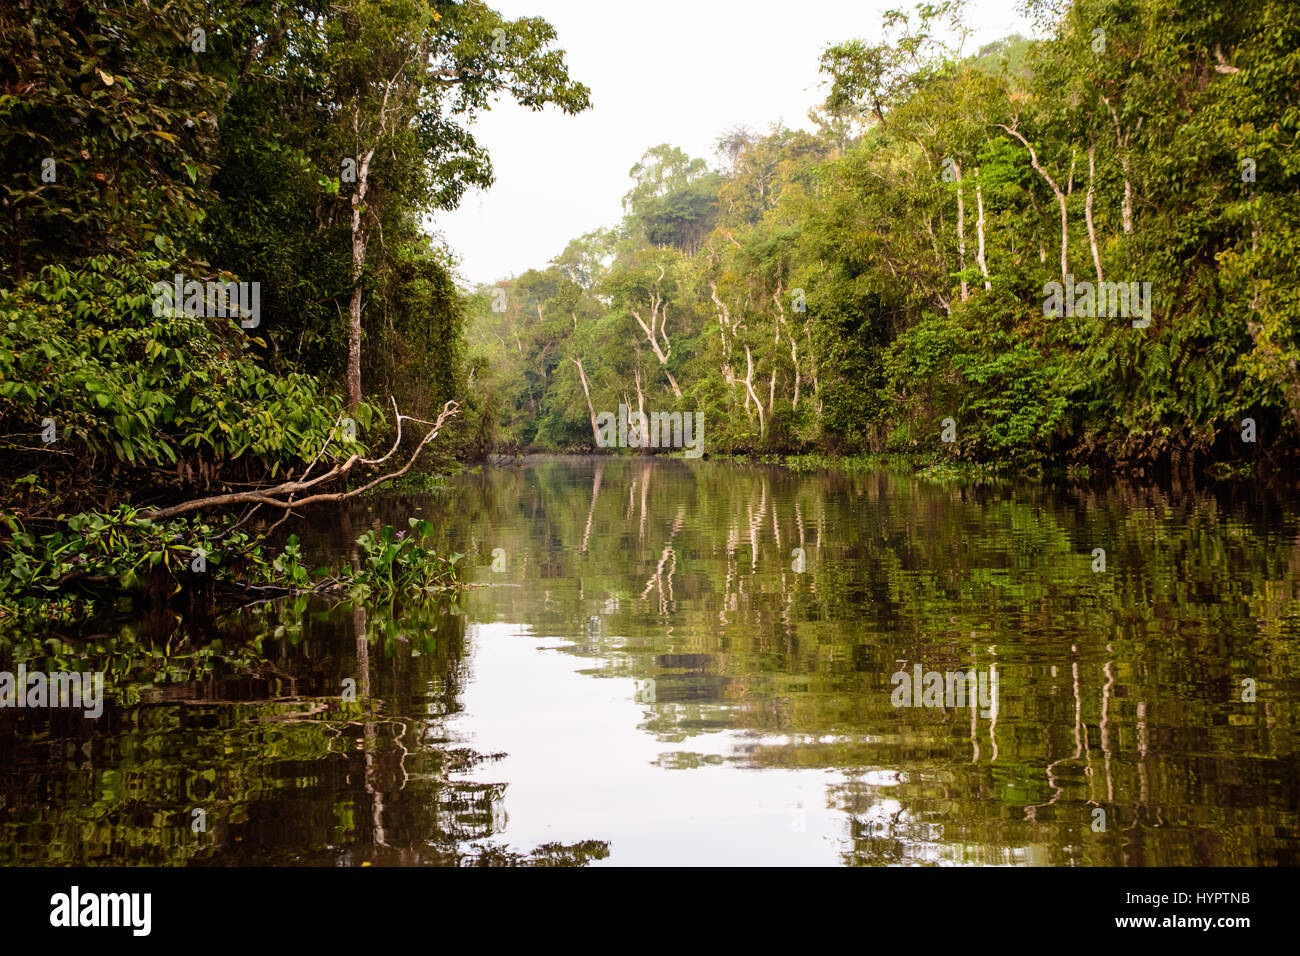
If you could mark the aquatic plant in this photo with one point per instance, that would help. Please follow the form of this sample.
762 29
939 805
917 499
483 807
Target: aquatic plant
94 561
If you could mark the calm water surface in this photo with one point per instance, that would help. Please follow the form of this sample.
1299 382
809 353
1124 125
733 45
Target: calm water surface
681 662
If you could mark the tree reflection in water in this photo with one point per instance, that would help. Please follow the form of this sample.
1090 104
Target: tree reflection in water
744 664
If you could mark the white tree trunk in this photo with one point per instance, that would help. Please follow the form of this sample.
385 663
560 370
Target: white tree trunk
1087 211
749 386
961 233
979 229
582 373
654 328
1060 200
794 360
360 237
640 395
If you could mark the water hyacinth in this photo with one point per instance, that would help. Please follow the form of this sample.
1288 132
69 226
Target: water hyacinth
398 562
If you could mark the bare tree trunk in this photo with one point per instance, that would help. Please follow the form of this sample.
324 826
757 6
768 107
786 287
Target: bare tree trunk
724 321
1087 211
979 229
1060 200
640 398
794 360
727 328
359 239
354 349
1065 236
654 328
794 343
961 233
582 374
749 385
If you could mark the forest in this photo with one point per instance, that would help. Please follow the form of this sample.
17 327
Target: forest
1068 254
891 281
197 146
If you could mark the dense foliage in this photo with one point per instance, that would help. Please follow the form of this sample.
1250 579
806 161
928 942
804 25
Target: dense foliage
123 384
214 270
851 288
295 145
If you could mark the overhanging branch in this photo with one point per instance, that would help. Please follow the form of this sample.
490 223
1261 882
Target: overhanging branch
283 495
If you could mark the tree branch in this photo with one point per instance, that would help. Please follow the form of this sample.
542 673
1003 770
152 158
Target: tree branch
282 495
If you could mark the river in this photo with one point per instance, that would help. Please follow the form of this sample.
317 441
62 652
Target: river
694 662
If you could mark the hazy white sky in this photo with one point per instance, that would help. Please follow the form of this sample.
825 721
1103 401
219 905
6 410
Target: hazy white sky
675 71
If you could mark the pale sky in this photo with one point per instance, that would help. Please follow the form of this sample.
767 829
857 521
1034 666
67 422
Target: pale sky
675 71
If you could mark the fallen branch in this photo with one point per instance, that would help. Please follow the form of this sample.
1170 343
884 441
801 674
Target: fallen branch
283 495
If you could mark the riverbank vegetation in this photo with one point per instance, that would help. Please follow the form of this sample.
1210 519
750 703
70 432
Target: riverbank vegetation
880 281
270 162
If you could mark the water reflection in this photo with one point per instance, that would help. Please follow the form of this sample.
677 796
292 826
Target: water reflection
690 662
297 732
